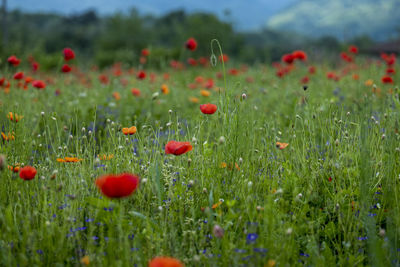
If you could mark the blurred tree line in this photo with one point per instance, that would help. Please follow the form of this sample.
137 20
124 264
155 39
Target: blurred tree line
121 37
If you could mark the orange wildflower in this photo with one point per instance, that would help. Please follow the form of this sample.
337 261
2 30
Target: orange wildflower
270 263
194 100
15 168
164 89
85 260
281 145
230 167
105 157
165 262
116 96
14 117
216 205
129 131
205 93
69 159
9 137
369 82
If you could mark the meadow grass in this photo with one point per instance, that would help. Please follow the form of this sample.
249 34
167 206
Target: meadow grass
329 198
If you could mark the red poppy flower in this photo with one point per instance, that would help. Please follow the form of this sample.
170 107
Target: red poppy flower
331 76
118 186
27 173
135 92
301 55
142 60
305 80
191 44
387 79
390 71
389 59
19 75
177 148
280 73
312 69
103 79
39 84
192 61
353 49
35 66
209 84
223 58
141 75
165 262
346 57
68 54
2 81
288 58
65 68
203 61
208 108
145 52
13 60
233 72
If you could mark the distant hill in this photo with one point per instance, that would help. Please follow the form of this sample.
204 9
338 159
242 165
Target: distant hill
345 19
245 15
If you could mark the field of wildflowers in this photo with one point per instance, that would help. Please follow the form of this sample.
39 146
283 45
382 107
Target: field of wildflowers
202 163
